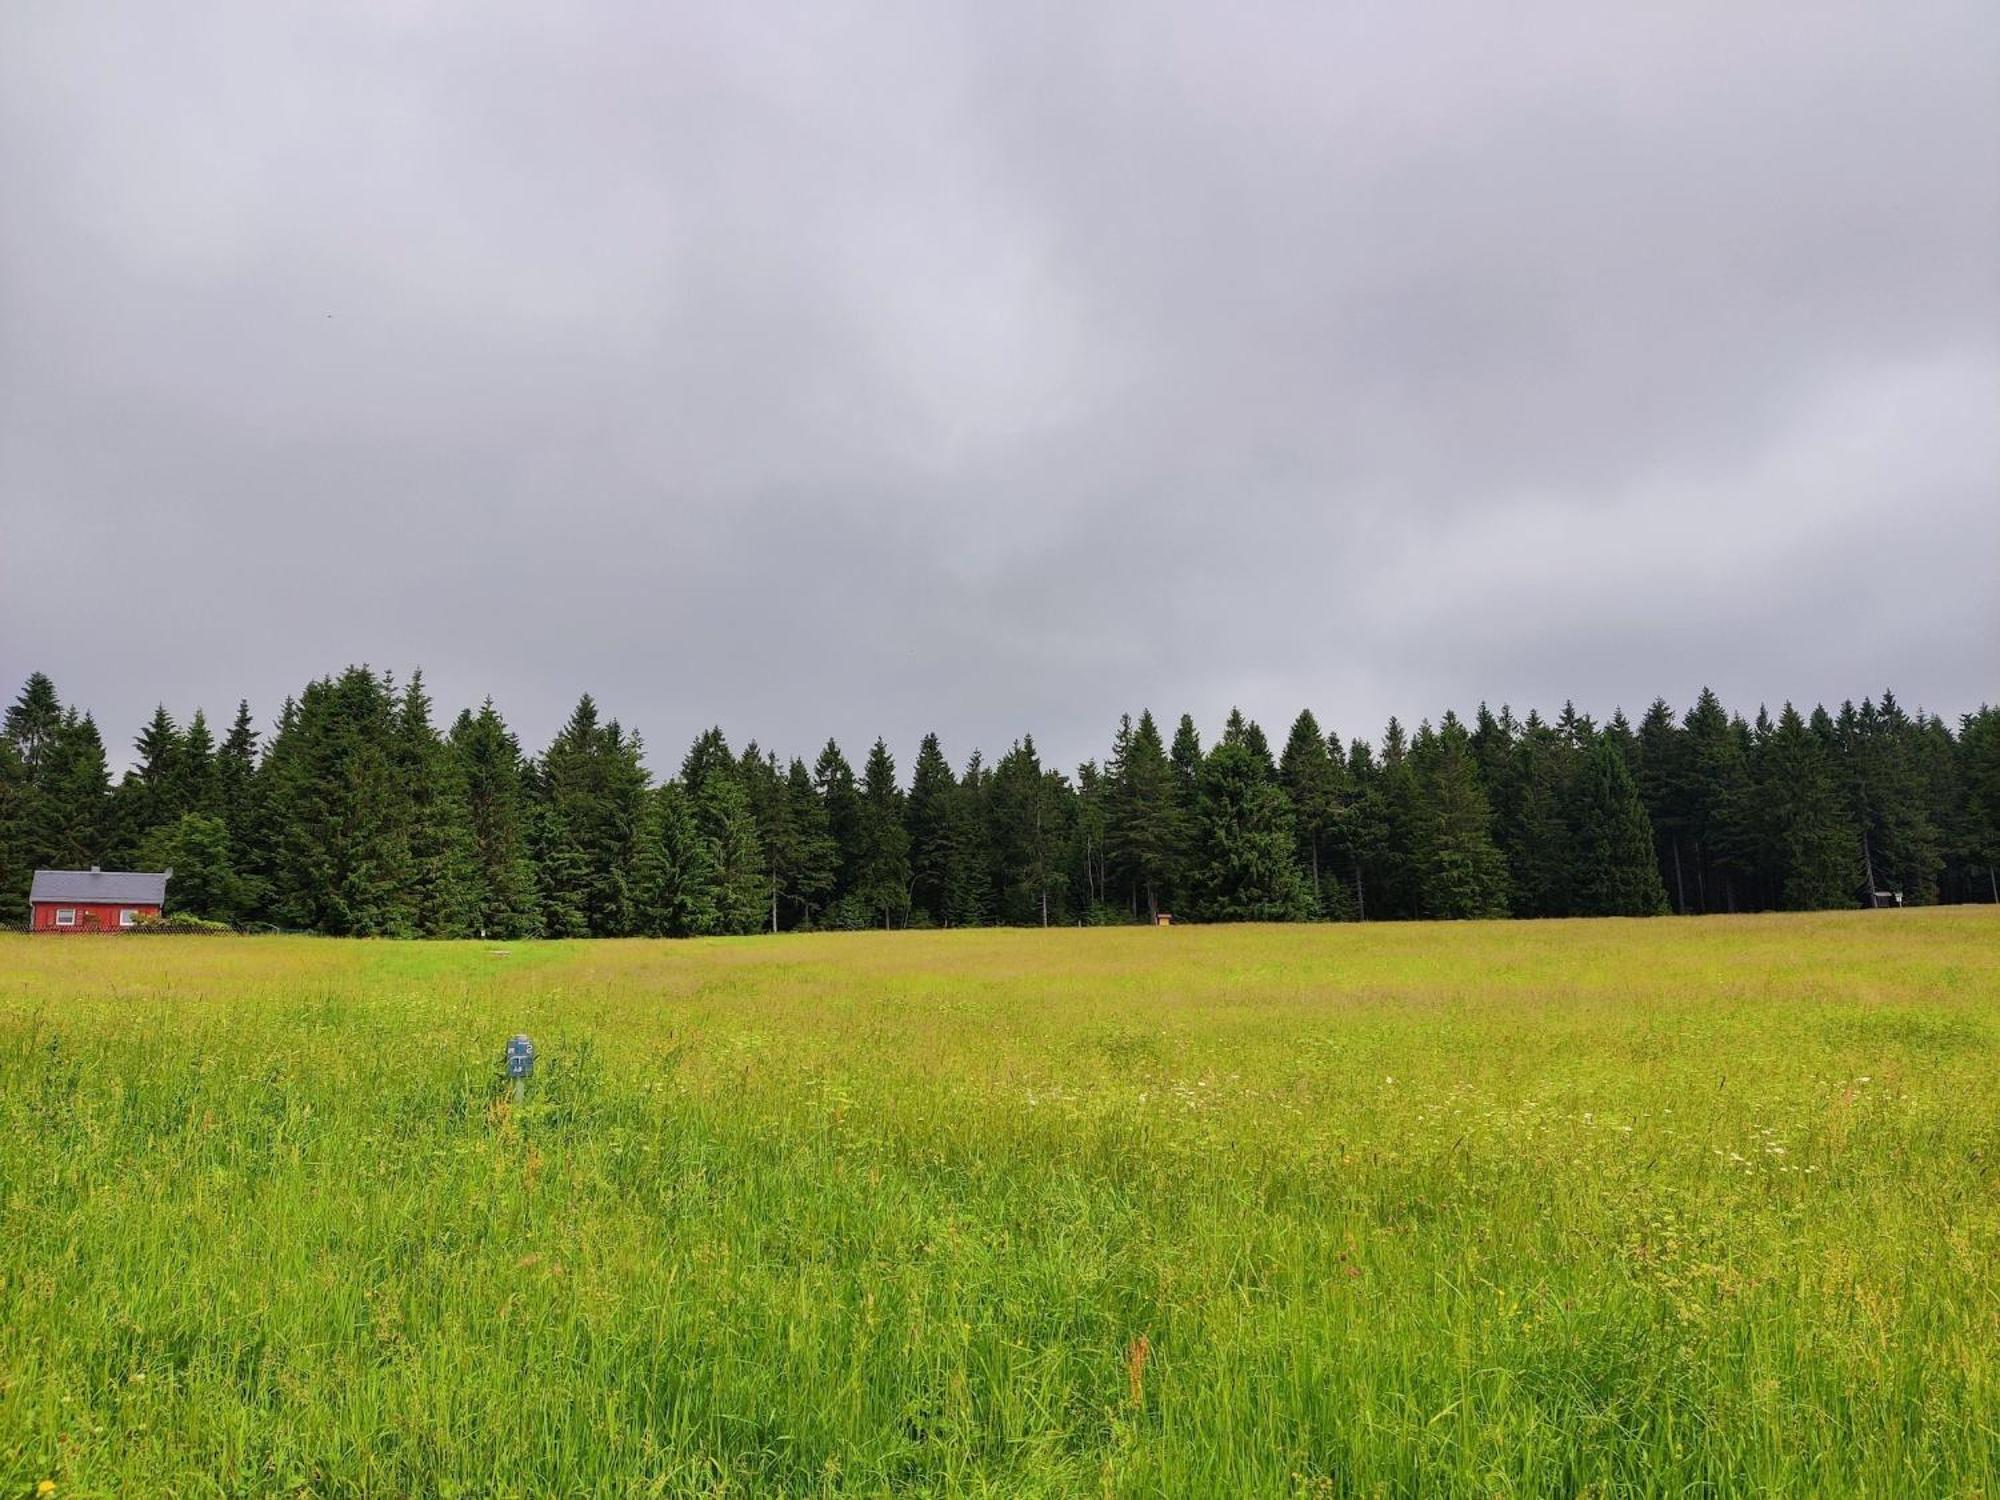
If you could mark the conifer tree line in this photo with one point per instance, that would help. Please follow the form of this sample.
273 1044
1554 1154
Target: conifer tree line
361 813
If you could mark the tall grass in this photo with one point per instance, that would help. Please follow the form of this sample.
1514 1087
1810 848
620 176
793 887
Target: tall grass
1669 1207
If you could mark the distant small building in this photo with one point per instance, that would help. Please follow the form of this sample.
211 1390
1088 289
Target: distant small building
1164 919
95 900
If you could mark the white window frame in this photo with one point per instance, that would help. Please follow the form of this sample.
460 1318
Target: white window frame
65 916
128 916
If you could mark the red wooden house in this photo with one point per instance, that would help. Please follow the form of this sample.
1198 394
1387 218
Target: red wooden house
94 900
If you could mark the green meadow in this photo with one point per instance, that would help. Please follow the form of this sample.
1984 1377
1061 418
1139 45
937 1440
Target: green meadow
1666 1207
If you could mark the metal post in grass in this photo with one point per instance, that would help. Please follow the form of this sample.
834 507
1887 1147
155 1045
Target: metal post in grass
520 1063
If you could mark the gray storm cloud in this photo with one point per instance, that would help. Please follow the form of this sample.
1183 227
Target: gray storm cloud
999 368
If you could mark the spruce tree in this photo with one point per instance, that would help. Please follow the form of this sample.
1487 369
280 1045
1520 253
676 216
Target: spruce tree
1316 784
676 871
33 720
1935 760
445 886
882 863
735 854
1536 835
1358 839
1186 757
1899 842
841 799
32 819
968 896
1709 777
152 794
1238 730
1395 818
771 811
933 850
1625 741
810 859
16 864
1091 835
54 790
1148 822
71 828
707 756
1029 819
1459 869
205 883
591 787
340 811
1979 774
1660 777
495 786
1615 872
237 790
1245 867
1805 836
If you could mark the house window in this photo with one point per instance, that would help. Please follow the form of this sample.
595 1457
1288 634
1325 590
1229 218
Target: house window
126 916
65 916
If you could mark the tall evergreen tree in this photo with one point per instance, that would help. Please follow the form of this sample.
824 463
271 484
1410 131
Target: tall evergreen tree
1805 838
1317 786
16 809
1935 762
155 792
1979 773
197 789
968 897
444 884
1393 817
591 789
1238 730
1187 757
676 873
708 756
1091 834
33 720
495 784
1148 821
1536 836
237 790
54 790
1707 798
1028 817
934 847
882 864
841 798
735 853
341 861
810 861
27 739
1461 872
1899 843
771 811
75 783
1660 777
205 883
1615 870
1245 867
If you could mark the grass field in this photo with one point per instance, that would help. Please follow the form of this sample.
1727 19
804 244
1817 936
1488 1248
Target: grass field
1669 1207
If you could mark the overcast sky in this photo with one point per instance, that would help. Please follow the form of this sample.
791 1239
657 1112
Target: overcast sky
1000 367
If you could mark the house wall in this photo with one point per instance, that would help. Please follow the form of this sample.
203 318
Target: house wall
90 917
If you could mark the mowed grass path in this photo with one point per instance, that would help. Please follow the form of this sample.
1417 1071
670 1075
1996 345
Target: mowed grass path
1669 1207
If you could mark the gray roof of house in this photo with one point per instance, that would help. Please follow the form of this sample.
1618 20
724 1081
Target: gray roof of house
106 887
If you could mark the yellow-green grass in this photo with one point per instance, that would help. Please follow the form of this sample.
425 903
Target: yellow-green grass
1668 1207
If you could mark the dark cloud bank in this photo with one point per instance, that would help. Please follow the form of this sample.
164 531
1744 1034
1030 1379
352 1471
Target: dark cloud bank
992 368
